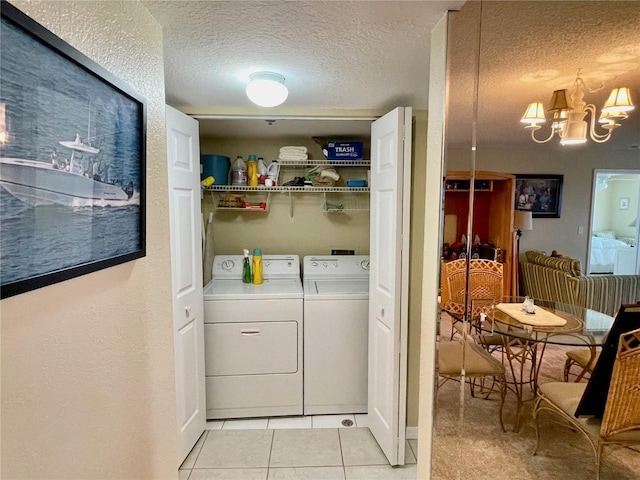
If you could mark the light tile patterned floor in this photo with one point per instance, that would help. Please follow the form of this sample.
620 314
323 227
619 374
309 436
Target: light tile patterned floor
286 448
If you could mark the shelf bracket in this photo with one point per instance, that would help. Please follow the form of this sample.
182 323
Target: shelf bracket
290 207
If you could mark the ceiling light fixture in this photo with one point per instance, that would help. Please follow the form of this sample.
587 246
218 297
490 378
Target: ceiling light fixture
568 117
267 89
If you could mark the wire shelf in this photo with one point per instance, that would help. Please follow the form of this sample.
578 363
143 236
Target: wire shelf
334 163
338 203
284 188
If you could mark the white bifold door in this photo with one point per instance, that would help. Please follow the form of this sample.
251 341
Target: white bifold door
183 154
388 287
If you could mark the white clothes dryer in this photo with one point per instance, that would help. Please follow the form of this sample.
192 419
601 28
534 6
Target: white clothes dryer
336 316
253 339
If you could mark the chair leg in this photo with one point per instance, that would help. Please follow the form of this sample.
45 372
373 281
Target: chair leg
503 395
567 369
598 458
535 417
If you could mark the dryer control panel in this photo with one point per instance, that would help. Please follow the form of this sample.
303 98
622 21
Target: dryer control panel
273 266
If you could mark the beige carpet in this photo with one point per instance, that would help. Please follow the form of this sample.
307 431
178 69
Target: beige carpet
473 446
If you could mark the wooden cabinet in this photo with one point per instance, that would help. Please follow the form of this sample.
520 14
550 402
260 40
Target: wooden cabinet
492 215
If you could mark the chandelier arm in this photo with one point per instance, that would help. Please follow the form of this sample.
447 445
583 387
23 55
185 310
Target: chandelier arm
595 136
542 141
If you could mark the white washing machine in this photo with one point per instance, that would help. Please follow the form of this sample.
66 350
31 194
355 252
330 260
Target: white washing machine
253 339
336 319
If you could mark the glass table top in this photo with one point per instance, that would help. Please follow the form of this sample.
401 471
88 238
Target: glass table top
583 326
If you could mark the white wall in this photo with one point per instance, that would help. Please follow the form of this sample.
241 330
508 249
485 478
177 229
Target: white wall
602 210
621 218
87 364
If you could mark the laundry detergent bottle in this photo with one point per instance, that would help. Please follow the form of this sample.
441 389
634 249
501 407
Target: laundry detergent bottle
257 266
239 172
246 267
252 171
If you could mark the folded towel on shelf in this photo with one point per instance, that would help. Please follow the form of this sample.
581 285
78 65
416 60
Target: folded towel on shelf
293 156
293 149
323 176
319 181
331 173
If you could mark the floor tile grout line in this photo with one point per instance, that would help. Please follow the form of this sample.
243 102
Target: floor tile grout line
341 451
273 436
195 460
415 453
344 469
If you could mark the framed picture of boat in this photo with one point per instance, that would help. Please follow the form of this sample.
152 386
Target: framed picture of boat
72 161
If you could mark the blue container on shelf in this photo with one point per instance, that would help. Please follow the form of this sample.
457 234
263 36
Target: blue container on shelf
216 166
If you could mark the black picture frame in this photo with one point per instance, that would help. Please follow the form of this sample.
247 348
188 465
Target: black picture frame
72 161
539 194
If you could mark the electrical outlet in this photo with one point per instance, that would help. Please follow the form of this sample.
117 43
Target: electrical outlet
580 230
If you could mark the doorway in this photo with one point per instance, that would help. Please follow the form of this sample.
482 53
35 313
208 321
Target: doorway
613 244
232 226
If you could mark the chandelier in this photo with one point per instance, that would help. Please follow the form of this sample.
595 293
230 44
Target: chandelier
568 117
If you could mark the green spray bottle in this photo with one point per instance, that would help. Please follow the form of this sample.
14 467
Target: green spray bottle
246 267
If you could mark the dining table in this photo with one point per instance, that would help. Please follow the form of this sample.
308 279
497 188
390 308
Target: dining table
525 335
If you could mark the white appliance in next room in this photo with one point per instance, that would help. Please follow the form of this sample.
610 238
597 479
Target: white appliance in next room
336 316
253 339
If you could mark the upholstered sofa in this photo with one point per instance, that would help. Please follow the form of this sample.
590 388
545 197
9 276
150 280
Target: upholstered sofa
560 279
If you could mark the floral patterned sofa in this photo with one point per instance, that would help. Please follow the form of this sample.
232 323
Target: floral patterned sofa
560 279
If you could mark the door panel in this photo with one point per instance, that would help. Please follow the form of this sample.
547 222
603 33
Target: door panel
184 203
183 158
388 289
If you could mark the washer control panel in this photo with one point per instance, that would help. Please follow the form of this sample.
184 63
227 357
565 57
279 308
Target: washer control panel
336 266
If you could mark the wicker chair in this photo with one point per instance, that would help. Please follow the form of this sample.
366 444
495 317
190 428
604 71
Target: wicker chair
584 358
485 290
478 364
620 424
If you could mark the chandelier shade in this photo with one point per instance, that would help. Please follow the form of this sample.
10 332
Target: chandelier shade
558 101
619 101
573 120
534 114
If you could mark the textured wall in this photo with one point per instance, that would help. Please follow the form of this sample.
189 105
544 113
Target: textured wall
416 251
87 364
433 173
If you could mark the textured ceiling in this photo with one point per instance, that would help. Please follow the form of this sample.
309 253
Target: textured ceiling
374 55
527 50
334 55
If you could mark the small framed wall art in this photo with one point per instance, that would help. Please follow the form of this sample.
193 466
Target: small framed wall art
624 203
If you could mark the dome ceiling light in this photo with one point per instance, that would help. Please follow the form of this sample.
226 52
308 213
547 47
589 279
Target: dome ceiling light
568 115
267 89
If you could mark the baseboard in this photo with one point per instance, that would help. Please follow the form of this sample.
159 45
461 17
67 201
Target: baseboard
411 433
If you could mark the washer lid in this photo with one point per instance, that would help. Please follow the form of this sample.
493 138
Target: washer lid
336 289
219 289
